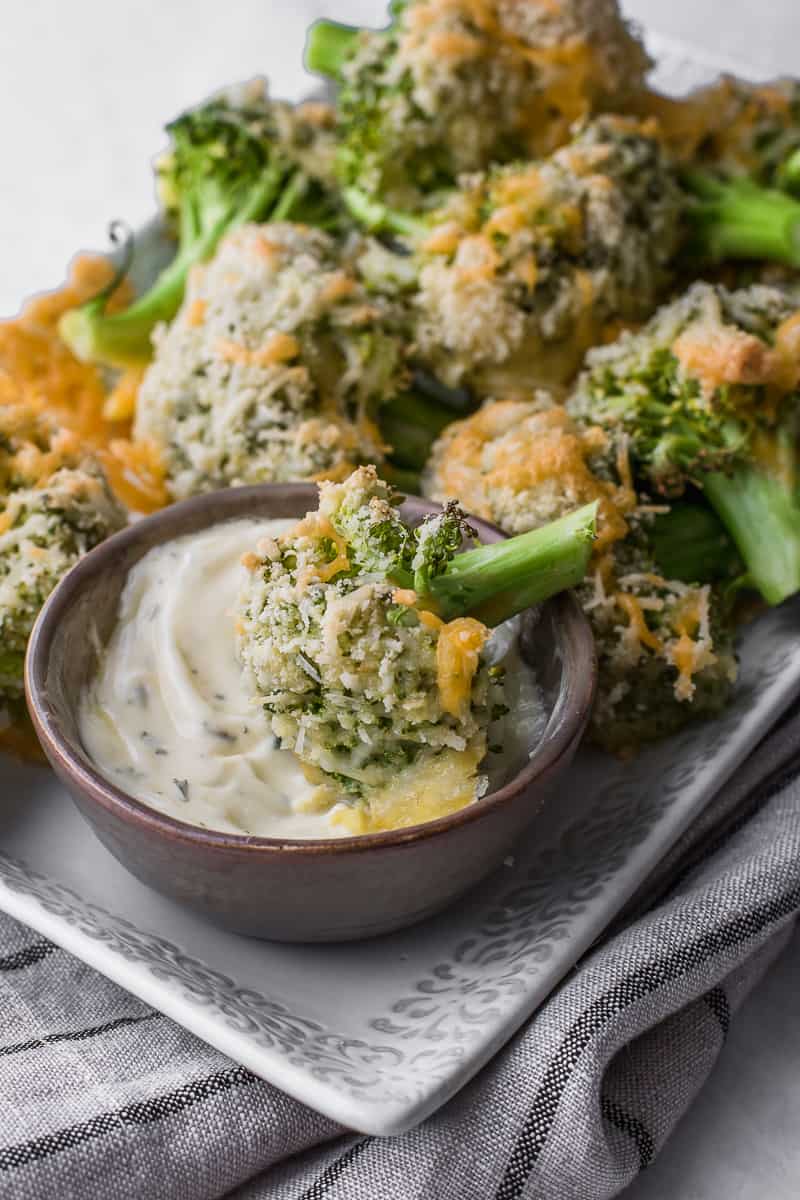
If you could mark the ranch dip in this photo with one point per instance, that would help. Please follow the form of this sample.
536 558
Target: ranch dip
170 717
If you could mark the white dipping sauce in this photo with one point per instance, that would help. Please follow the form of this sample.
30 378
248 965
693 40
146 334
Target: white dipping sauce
170 717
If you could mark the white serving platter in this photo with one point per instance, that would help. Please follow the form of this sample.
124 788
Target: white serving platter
379 1034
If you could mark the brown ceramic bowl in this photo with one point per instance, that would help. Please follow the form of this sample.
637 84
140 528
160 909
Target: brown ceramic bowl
291 890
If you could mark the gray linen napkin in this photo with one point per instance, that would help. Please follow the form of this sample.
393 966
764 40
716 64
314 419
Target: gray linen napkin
100 1097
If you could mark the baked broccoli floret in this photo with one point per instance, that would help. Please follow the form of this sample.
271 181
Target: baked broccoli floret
526 266
523 463
739 148
275 366
708 394
56 505
364 637
737 127
663 642
237 158
452 87
664 647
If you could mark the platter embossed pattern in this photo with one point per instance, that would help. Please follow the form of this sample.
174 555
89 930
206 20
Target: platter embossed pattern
378 1034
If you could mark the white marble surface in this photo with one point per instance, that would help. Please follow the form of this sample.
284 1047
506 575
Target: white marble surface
85 87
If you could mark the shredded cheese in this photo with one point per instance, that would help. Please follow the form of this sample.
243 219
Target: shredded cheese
458 652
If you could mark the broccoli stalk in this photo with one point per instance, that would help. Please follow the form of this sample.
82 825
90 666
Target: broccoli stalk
738 219
493 583
763 519
329 44
755 502
738 450
410 424
328 47
690 543
377 217
757 507
226 167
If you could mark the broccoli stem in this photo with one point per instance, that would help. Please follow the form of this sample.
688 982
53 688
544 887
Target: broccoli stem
691 544
494 583
737 219
789 175
410 424
328 46
762 518
123 339
379 218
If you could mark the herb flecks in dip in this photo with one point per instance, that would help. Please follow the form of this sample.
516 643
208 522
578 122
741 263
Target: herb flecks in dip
366 642
170 717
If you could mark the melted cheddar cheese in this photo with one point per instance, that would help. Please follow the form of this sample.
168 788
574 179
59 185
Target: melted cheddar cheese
429 789
37 370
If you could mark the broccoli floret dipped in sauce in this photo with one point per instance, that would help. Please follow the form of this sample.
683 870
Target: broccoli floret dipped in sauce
275 366
364 639
664 643
55 505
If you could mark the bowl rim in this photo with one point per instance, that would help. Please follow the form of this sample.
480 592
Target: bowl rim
571 709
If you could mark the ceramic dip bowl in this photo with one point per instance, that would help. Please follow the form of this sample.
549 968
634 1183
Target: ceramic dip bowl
292 890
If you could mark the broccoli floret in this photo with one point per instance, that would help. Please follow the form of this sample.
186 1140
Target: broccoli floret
56 505
364 637
663 641
523 268
664 647
737 127
236 158
527 266
275 367
452 88
708 394
739 148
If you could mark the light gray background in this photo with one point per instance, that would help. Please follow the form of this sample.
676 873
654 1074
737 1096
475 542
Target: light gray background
85 88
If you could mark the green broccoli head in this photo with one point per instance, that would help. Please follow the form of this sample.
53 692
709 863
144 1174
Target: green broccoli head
707 394
524 267
750 129
665 647
364 636
56 505
237 158
449 88
348 665
275 366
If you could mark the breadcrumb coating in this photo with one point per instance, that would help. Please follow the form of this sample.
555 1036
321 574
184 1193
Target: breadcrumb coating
665 657
274 367
527 266
522 464
358 681
458 84
742 128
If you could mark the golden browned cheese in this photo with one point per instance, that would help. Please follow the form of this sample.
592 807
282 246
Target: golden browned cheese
37 370
717 355
578 69
722 117
508 447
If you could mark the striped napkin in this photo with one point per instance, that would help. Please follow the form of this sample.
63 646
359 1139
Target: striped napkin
102 1098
